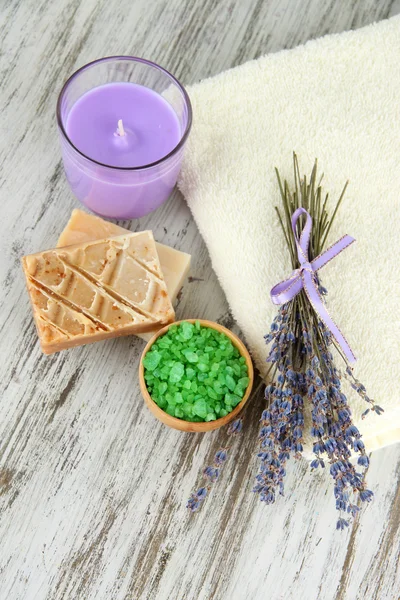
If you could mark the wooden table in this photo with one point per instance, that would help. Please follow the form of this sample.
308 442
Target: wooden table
92 487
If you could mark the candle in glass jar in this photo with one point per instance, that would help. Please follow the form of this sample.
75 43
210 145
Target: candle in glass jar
123 124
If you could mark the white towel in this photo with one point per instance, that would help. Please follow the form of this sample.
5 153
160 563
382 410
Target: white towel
336 99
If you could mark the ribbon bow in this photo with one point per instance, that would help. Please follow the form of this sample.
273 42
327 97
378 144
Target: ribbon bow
304 277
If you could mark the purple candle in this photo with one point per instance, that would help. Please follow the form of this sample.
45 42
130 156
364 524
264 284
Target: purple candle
148 126
123 122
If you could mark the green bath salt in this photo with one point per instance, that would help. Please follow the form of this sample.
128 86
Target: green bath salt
195 373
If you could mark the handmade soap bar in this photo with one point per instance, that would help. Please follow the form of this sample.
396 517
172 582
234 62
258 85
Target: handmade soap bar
83 227
96 290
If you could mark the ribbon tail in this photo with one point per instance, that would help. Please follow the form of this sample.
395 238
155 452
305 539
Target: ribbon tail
319 307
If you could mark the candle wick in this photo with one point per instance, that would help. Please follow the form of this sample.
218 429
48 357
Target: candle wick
121 130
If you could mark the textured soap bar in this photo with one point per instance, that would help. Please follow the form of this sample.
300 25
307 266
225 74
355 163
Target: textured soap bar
96 290
83 227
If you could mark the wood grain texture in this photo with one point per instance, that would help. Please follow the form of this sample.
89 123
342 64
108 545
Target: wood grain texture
92 487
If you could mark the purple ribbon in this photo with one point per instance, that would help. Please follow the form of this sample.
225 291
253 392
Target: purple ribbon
304 277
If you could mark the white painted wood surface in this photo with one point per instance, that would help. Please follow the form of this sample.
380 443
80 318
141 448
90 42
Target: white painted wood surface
92 488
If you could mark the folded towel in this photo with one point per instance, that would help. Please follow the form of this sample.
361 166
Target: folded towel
337 99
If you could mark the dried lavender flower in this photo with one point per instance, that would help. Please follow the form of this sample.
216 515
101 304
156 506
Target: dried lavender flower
305 377
305 371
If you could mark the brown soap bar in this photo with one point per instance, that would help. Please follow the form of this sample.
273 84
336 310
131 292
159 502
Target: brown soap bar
83 227
97 290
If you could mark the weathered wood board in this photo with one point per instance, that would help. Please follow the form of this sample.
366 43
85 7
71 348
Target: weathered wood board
92 488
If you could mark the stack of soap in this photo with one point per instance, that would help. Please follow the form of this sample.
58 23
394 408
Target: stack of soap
83 227
97 290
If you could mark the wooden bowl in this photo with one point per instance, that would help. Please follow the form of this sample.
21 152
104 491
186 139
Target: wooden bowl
180 424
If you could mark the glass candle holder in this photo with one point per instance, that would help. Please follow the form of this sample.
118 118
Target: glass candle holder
116 190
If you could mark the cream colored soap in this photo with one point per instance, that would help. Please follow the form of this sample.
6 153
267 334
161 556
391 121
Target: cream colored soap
98 289
83 227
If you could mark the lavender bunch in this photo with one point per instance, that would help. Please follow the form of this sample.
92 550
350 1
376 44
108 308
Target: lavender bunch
304 376
304 372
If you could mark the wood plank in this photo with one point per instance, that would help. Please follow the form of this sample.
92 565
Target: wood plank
92 488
